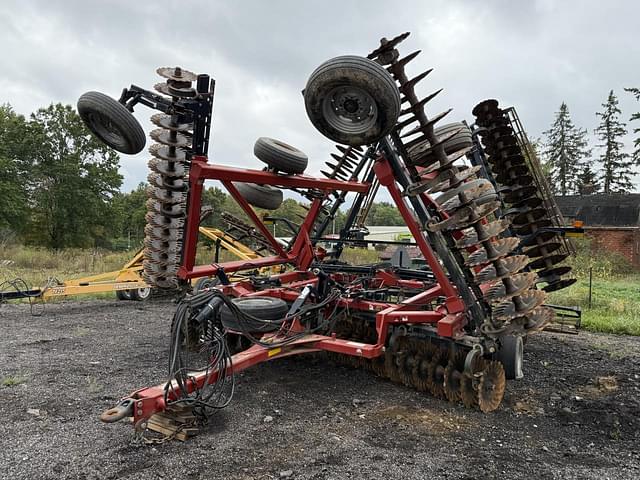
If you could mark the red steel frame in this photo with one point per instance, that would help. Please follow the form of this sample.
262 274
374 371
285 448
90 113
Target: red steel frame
448 318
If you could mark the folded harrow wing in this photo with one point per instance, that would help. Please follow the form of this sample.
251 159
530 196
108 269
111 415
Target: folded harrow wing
454 330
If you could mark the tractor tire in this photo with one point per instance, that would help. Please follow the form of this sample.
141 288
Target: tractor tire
261 196
461 140
205 283
111 122
280 156
264 308
140 294
352 100
510 355
123 294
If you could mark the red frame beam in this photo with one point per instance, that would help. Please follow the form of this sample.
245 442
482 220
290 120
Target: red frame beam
449 318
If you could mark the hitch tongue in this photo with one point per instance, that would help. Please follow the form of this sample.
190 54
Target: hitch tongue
120 411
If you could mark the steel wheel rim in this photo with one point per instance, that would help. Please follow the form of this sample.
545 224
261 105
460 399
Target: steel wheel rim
350 109
144 292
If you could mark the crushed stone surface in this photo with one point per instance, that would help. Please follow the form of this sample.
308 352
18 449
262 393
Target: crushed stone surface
575 415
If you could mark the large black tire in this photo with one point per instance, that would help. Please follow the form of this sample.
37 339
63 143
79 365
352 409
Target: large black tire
264 308
140 294
261 196
280 156
204 283
460 140
352 100
510 354
111 122
123 294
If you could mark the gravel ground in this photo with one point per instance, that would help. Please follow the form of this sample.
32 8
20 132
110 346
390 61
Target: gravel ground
574 415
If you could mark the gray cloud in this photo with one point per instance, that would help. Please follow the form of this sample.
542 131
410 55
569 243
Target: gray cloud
532 55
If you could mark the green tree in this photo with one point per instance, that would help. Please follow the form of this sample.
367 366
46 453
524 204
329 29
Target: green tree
566 147
73 181
215 198
587 181
290 210
15 165
384 213
129 210
636 116
616 165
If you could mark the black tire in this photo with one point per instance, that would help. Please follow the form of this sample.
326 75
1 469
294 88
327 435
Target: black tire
510 354
140 294
352 100
264 308
204 283
123 294
460 140
111 122
261 196
280 156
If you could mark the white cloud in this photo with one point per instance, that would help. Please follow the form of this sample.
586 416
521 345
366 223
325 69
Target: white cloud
532 55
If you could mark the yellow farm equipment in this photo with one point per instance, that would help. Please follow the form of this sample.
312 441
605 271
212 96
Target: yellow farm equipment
126 282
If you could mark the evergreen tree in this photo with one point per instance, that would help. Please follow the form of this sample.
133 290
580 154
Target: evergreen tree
616 165
566 147
635 116
587 181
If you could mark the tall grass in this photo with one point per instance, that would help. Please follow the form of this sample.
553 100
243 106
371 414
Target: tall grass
615 291
36 265
615 306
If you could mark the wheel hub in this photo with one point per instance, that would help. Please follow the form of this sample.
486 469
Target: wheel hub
350 108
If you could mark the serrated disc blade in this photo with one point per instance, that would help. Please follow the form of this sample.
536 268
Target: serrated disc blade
495 250
517 306
517 284
547 261
487 231
542 250
165 137
501 268
166 121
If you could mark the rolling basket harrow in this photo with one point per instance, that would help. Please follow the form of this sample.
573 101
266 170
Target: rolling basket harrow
470 198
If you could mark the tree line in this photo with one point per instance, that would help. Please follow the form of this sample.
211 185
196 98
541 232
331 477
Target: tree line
60 187
567 156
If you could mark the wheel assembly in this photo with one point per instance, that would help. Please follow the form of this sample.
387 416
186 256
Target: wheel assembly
352 100
268 314
280 156
140 294
261 196
111 122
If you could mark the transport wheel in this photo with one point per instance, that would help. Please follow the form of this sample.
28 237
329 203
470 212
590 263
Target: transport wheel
510 355
140 294
111 122
264 308
352 100
280 156
261 196
204 283
123 294
459 141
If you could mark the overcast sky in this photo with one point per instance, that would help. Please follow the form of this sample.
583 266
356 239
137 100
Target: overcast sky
529 54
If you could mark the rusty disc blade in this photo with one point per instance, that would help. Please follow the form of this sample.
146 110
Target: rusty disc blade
491 386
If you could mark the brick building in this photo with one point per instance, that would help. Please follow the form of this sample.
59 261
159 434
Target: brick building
611 221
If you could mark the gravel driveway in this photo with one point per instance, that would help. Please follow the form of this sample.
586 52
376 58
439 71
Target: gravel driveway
576 414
